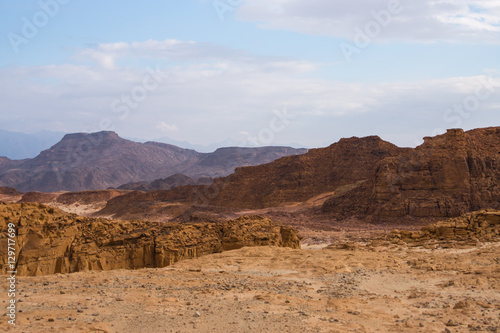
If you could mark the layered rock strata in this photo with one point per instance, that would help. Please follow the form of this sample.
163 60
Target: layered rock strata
480 226
50 241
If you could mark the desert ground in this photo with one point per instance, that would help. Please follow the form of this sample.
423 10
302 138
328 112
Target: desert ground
350 288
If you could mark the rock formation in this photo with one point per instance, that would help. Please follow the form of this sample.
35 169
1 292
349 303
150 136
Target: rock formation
50 241
9 191
480 226
8 194
448 175
288 179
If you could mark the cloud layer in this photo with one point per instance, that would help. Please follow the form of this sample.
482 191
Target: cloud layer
203 93
469 21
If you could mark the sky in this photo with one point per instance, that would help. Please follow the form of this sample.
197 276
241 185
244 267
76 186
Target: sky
250 72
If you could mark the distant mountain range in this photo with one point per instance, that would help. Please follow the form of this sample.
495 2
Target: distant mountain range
214 146
199 148
17 146
102 160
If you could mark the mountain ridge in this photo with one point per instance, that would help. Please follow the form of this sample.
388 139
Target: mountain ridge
92 161
446 176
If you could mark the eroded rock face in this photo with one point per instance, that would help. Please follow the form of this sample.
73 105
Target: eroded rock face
448 175
480 226
288 179
50 241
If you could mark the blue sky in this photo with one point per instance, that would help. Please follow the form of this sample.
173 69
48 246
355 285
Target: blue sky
281 72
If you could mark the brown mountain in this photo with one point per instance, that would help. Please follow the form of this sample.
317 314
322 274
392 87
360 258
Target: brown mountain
102 160
289 179
298 178
95 161
447 175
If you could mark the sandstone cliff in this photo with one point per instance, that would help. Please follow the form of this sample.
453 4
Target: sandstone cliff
288 179
50 241
448 175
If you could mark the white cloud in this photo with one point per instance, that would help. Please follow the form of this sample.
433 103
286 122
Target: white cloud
470 21
164 127
226 95
107 54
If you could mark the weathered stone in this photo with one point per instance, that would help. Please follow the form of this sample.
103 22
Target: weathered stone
476 226
50 241
448 175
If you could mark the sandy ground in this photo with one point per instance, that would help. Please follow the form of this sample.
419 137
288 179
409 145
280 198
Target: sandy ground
381 289
80 209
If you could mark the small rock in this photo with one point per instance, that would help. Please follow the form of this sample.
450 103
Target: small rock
461 305
197 314
452 323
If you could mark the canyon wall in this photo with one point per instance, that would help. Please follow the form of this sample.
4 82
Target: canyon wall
50 241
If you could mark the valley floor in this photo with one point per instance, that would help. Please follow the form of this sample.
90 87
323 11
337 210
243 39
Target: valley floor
392 288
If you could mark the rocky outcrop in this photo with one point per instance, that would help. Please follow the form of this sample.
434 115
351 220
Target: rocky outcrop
39 197
9 191
299 178
8 194
448 175
50 241
481 226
